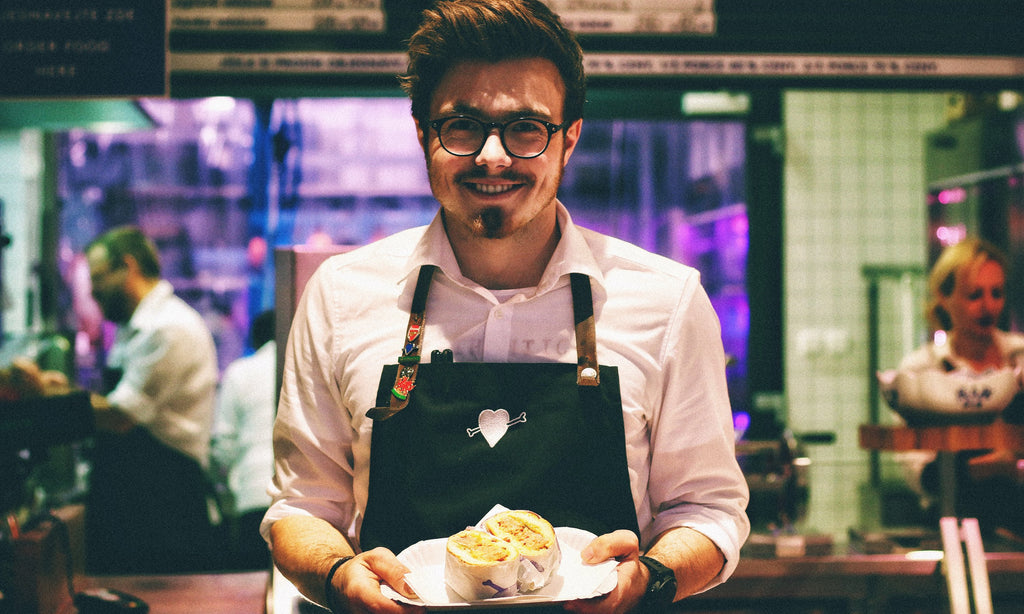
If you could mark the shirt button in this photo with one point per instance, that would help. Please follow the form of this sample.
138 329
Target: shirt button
499 314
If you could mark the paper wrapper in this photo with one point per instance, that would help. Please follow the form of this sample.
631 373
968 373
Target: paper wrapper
572 580
534 571
472 583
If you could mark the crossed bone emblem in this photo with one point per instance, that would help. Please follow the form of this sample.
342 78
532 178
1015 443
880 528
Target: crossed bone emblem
518 419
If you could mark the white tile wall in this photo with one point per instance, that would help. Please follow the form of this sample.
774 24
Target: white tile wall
21 164
854 195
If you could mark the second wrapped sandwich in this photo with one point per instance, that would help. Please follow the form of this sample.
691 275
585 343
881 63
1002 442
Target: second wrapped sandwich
534 538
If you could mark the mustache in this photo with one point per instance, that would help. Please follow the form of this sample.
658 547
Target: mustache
480 173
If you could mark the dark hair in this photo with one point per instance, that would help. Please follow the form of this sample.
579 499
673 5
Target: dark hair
262 329
128 241
946 271
491 31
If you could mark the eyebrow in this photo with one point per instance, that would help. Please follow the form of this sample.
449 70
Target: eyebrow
462 108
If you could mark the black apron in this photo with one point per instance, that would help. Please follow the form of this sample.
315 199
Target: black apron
146 510
463 437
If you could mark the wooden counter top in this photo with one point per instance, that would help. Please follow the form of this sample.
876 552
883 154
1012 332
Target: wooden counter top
868 582
952 438
215 593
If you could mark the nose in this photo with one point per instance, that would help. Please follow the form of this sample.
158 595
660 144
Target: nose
493 152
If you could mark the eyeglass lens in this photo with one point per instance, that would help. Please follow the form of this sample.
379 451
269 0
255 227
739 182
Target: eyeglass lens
525 138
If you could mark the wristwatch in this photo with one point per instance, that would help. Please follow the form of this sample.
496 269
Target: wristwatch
661 587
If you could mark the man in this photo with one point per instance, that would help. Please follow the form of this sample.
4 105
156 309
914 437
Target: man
501 308
147 507
241 449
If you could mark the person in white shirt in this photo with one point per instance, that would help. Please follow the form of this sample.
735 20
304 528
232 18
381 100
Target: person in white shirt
241 450
147 507
503 355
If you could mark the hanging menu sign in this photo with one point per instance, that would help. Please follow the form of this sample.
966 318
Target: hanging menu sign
87 48
637 16
277 15
801 66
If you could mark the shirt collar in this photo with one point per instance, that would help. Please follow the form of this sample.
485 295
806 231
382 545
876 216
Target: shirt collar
154 297
573 254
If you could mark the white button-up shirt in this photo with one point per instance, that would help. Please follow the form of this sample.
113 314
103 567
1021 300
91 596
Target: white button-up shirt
243 425
169 364
654 323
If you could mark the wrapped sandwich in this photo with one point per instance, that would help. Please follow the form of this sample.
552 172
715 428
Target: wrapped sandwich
478 565
533 537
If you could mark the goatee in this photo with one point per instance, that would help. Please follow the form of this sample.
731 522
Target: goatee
492 222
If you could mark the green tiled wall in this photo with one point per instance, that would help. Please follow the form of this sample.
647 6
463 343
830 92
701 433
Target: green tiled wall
854 195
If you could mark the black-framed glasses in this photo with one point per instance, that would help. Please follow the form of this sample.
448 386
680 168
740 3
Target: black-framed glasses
524 137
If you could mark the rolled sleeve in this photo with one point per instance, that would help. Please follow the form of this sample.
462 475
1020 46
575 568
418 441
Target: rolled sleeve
695 479
313 464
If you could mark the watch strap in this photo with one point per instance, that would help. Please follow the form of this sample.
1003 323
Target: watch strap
661 586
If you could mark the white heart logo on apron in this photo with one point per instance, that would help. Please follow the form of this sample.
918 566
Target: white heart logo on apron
493 424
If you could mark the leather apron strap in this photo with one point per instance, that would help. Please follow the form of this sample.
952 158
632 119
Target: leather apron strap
409 360
587 371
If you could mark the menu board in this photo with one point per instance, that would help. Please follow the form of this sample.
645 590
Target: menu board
57 48
583 16
282 37
138 48
637 16
277 15
802 66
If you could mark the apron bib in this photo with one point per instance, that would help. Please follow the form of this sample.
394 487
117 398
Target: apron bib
469 436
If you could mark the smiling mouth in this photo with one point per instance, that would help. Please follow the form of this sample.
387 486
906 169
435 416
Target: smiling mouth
490 188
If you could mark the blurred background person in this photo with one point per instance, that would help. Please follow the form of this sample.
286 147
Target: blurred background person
242 451
148 509
967 288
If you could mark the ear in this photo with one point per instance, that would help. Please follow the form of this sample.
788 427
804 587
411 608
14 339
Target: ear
132 264
572 136
421 134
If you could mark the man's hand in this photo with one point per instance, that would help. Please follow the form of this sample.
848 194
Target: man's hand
998 463
23 379
109 418
357 584
633 575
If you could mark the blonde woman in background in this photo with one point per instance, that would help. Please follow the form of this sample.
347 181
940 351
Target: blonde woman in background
967 287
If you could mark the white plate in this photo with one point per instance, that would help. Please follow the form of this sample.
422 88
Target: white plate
572 580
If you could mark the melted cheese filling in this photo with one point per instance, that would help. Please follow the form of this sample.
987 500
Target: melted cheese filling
523 534
481 547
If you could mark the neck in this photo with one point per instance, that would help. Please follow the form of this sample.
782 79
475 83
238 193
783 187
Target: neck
981 352
516 261
141 287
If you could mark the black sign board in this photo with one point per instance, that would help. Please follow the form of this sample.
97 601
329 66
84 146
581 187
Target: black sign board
83 48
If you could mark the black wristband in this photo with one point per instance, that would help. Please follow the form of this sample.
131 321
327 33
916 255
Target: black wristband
328 588
661 587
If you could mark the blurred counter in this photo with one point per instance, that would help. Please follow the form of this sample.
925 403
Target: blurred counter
842 583
854 583
215 593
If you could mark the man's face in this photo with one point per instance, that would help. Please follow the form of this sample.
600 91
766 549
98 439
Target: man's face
108 286
492 194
